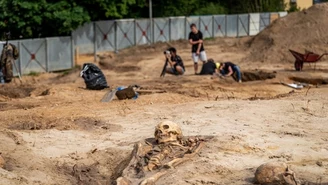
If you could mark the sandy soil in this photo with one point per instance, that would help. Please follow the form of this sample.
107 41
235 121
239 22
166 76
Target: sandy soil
54 131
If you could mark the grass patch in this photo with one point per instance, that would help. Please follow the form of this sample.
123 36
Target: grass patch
33 73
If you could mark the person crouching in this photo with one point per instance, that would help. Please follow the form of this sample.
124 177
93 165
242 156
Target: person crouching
176 66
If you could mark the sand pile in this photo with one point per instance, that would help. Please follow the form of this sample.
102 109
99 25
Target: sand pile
299 31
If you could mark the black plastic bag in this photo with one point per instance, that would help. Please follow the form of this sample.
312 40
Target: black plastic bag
93 77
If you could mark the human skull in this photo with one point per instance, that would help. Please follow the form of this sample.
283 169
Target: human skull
272 173
168 131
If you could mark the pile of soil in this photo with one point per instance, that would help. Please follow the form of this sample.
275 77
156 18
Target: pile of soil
299 31
12 91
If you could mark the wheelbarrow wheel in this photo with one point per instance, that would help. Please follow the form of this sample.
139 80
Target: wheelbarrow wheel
298 65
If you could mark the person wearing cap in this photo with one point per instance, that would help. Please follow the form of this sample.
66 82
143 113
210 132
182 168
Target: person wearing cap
228 69
210 67
175 62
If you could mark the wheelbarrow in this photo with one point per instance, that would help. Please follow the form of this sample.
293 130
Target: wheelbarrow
308 57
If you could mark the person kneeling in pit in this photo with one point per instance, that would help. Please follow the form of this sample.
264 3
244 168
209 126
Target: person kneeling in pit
210 67
228 69
176 66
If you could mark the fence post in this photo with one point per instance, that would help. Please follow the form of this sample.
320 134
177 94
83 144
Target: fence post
95 41
115 38
237 25
47 55
225 26
72 51
135 32
170 22
20 58
249 24
185 30
213 35
152 30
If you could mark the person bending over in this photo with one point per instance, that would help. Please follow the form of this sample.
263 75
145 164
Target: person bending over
210 67
228 69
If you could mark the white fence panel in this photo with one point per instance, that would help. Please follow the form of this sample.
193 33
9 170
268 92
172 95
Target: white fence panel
177 28
243 25
219 25
282 14
161 29
84 38
232 25
59 53
125 34
264 20
105 35
206 26
142 31
254 23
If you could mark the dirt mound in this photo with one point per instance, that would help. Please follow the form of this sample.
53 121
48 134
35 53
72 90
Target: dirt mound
97 167
83 123
10 106
299 31
118 68
12 91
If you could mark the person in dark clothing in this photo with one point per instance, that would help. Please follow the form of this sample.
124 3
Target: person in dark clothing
210 68
197 48
175 62
228 69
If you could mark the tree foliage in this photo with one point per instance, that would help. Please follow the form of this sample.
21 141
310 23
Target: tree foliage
251 6
45 18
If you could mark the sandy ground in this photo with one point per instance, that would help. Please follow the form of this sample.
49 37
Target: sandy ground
54 131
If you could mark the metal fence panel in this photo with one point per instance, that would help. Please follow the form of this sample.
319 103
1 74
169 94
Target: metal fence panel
59 53
125 34
264 20
243 25
84 38
143 31
161 29
189 21
282 14
105 35
33 55
219 25
177 28
232 25
206 26
254 23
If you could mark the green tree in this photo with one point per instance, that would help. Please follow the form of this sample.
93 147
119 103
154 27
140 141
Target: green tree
165 8
251 6
44 18
40 18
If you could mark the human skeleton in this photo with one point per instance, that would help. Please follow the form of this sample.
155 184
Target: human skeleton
152 159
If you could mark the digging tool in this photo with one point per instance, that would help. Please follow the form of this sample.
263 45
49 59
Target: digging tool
164 68
109 96
295 85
